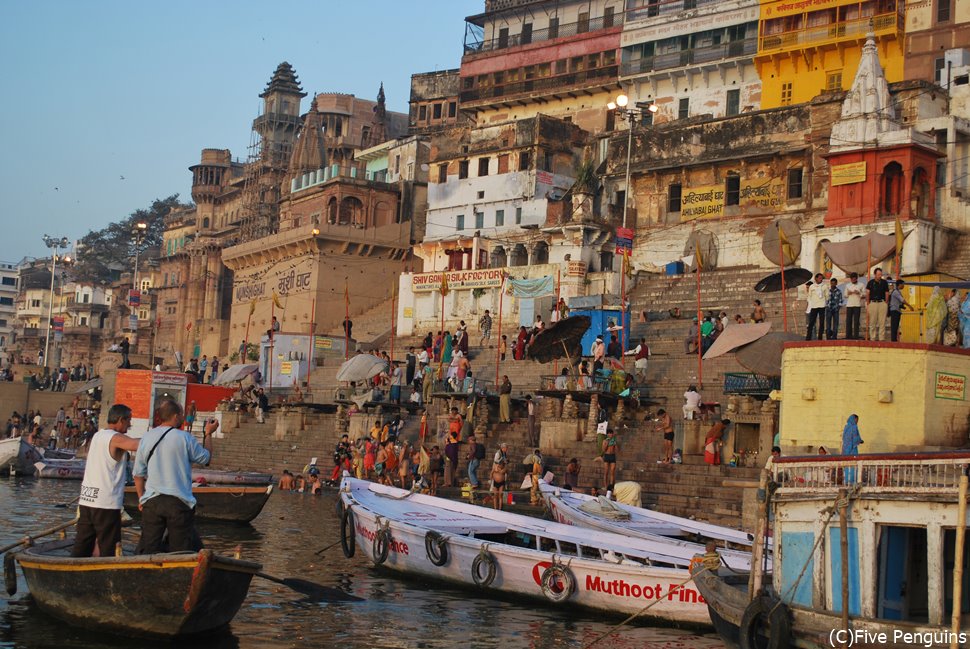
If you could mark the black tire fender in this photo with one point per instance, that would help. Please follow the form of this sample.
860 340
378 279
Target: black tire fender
382 545
436 546
348 535
10 574
557 575
765 617
485 560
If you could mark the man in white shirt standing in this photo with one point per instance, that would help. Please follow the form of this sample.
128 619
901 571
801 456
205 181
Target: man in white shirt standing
692 403
817 294
854 292
103 488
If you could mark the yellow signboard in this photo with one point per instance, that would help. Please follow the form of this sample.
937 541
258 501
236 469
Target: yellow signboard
408 312
792 7
286 368
847 174
702 202
457 280
950 386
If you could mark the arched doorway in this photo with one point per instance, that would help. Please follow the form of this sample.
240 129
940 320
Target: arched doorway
352 211
519 256
332 210
383 215
498 258
540 253
892 189
823 263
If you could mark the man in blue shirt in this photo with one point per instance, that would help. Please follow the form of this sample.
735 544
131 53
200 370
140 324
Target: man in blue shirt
163 481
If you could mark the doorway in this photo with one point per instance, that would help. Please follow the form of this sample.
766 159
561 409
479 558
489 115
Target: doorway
902 581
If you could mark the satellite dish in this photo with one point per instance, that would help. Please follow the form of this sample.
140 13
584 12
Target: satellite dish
425 166
772 244
704 241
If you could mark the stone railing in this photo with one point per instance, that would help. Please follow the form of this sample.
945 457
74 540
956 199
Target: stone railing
891 472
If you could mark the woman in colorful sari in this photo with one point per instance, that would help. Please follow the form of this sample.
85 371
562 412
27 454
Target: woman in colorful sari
951 330
935 315
965 320
520 343
851 439
446 350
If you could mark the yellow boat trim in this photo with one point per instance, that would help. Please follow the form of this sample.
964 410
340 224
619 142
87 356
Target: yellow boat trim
56 567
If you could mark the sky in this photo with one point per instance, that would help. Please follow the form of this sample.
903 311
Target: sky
106 104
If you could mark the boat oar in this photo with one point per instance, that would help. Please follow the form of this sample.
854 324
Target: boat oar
70 502
331 546
316 592
30 537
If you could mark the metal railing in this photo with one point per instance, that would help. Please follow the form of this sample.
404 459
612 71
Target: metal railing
553 84
903 472
474 43
846 30
750 383
692 56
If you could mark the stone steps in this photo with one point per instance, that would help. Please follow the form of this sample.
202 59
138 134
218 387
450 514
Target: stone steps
957 261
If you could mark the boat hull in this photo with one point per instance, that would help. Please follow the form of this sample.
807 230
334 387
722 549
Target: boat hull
23 462
229 504
9 450
232 477
60 469
603 586
164 595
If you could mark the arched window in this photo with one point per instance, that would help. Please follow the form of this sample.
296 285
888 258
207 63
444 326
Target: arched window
332 210
205 222
351 211
383 215
519 256
498 258
540 253
892 189
919 197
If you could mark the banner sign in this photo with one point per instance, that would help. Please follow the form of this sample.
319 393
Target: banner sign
950 386
58 322
707 202
624 239
134 297
847 174
458 280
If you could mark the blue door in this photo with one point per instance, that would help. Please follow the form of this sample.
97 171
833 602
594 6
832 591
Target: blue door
835 574
893 559
796 554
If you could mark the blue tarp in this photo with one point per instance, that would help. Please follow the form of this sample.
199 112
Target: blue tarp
538 287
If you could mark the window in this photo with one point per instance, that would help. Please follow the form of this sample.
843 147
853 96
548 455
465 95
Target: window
518 216
3 322
443 173
833 81
673 198
683 108
786 92
452 108
653 7
84 321
503 163
794 183
524 161
8 301
479 220
733 103
463 169
397 163
436 111
608 16
526 34
481 195
9 281
34 304
553 28
561 66
690 4
460 222
582 25
939 65
499 218
732 190
422 113
483 166
503 37
942 11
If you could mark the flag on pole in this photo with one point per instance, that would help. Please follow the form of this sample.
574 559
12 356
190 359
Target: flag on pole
276 301
444 283
900 240
252 307
697 255
787 252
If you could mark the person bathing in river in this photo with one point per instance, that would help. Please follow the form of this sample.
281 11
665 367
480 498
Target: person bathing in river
286 481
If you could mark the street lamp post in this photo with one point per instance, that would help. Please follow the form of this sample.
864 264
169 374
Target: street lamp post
54 244
138 232
631 115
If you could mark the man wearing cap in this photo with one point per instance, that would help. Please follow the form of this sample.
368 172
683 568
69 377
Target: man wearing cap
854 291
896 305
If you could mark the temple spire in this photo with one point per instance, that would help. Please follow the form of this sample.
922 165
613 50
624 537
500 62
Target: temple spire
867 111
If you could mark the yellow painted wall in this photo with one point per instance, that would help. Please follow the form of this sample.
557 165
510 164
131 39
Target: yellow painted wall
587 112
846 378
808 73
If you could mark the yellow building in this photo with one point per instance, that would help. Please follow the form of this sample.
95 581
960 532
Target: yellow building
908 396
812 47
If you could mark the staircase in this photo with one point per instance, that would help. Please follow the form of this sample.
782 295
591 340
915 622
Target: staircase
957 261
372 328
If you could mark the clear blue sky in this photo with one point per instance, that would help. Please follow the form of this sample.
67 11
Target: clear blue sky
94 91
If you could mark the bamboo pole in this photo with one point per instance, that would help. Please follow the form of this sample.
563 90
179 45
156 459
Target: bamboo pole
700 320
312 345
760 537
498 346
958 562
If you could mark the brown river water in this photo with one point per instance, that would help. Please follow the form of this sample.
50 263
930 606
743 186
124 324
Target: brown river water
396 613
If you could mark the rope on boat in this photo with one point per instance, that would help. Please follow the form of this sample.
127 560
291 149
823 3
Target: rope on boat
644 609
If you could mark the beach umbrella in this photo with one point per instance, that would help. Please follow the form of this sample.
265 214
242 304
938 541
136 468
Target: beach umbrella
560 340
361 368
794 277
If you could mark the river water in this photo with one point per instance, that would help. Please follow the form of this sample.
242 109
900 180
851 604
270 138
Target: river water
395 613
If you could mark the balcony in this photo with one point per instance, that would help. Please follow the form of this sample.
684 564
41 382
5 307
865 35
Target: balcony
693 56
474 43
336 173
832 34
574 84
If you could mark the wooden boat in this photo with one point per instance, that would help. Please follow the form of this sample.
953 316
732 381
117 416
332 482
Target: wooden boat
174 594
212 476
574 508
60 454
9 450
232 504
27 456
60 469
881 534
518 555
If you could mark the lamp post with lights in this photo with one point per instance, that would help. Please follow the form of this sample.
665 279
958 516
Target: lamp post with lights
55 244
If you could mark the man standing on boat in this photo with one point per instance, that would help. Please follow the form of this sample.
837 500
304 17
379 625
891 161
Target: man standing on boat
103 488
163 480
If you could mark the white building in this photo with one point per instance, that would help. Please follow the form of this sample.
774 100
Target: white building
8 307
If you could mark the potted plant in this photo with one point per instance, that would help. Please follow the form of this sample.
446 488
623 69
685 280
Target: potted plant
584 188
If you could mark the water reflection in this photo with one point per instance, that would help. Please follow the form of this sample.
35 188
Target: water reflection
396 613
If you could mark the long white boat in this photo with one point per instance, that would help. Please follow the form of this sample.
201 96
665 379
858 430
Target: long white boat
18 455
60 469
518 555
573 508
9 449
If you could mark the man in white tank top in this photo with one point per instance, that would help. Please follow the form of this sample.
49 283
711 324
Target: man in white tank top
103 488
